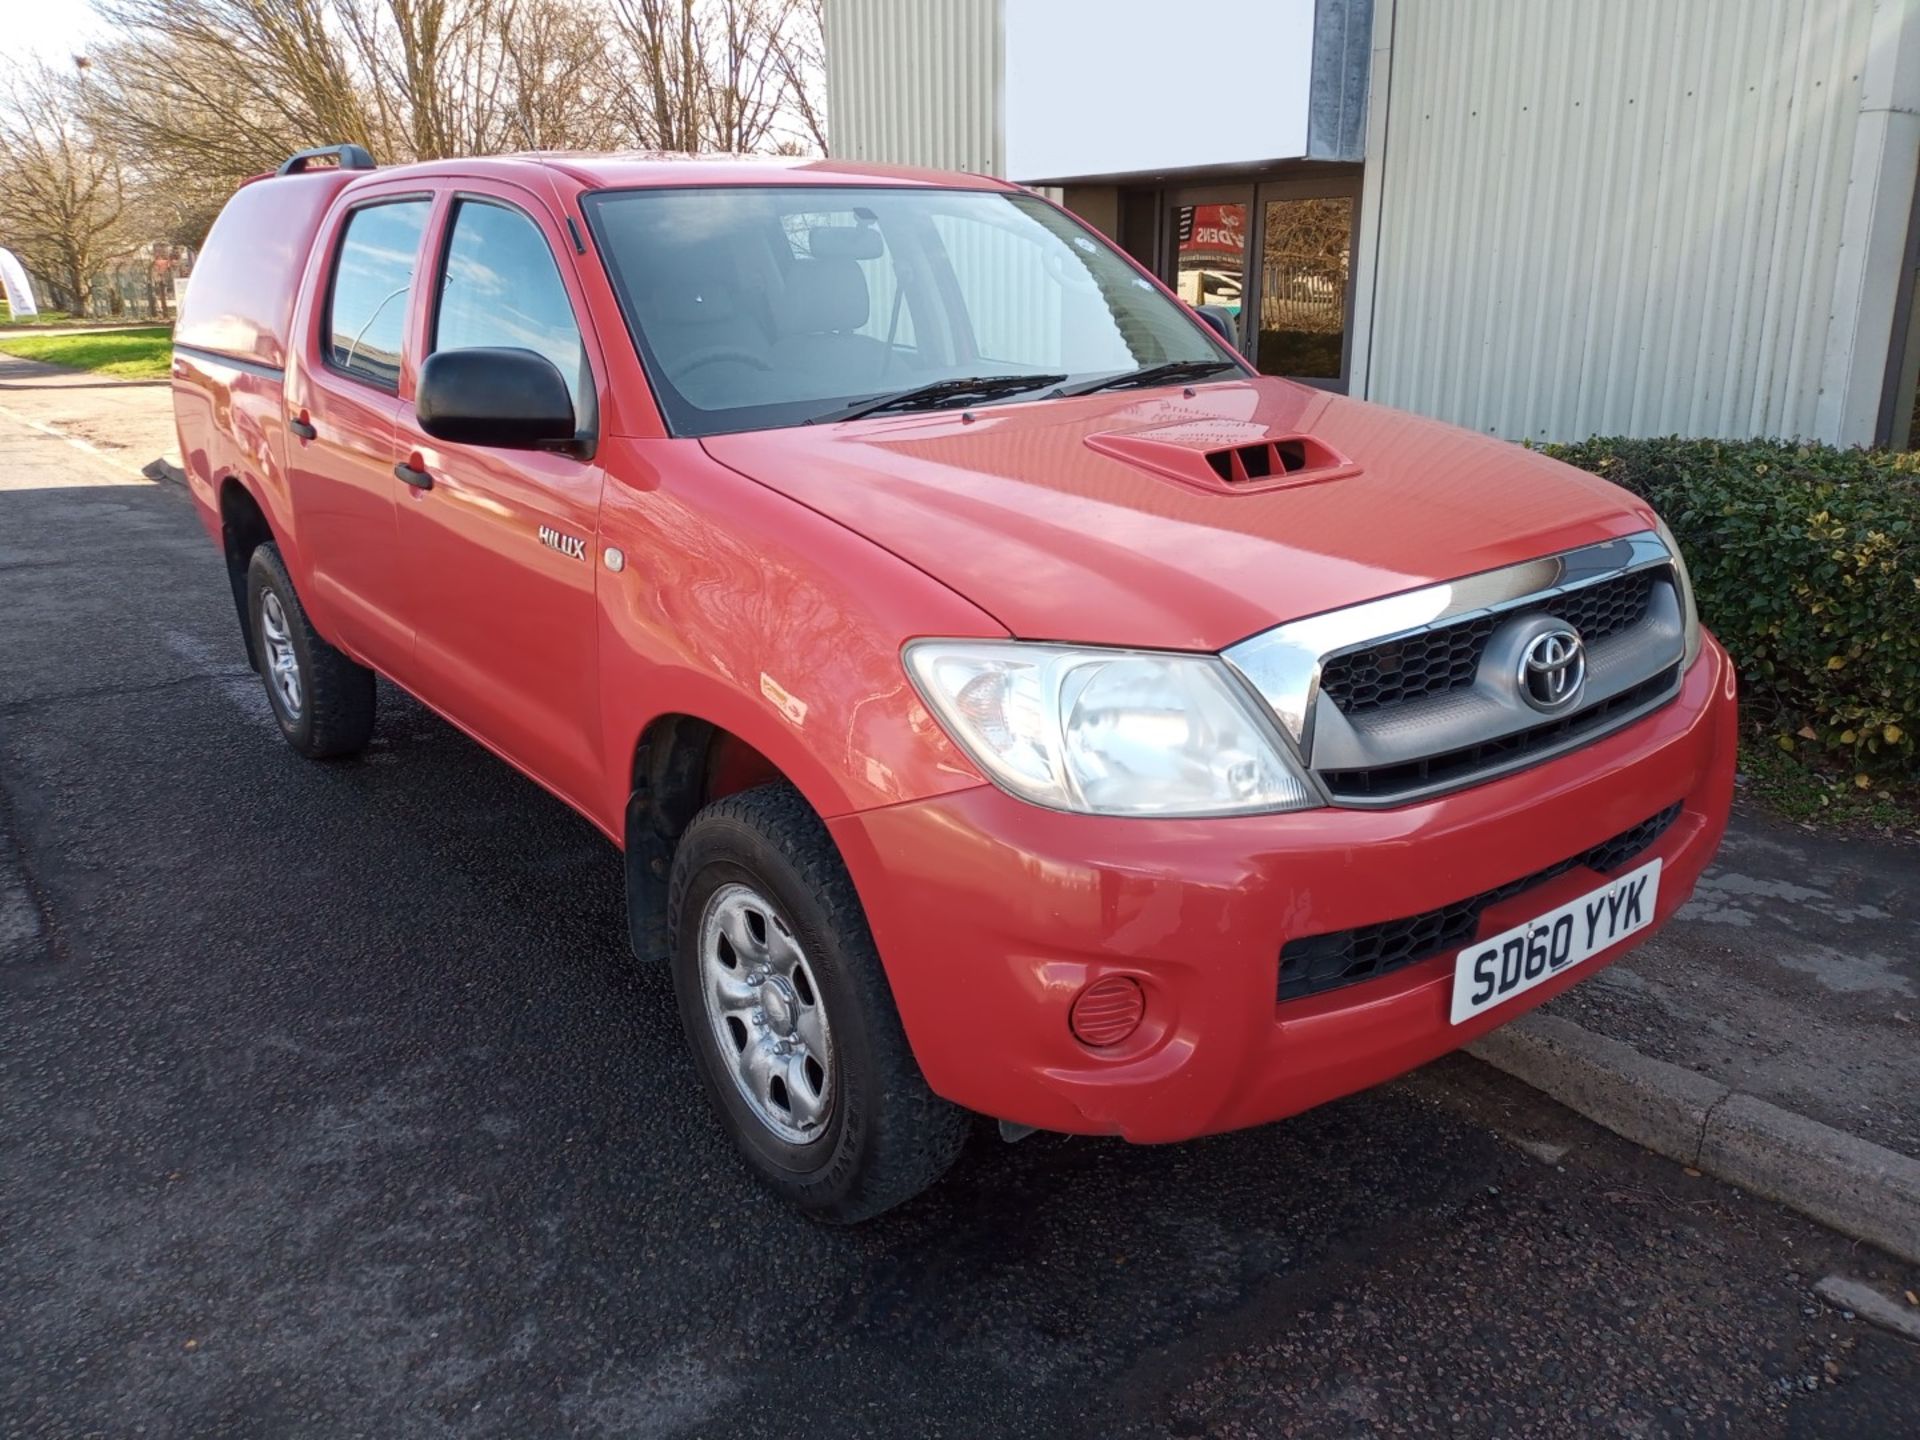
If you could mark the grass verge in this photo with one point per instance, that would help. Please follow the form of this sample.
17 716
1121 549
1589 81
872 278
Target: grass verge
144 354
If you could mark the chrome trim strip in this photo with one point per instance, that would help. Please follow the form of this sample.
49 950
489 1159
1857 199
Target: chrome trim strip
1283 664
234 362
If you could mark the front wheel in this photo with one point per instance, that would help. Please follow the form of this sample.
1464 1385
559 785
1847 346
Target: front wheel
789 1016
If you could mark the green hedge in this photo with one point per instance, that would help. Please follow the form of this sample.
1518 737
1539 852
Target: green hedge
1806 563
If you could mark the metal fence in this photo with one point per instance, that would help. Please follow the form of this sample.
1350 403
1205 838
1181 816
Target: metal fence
1303 292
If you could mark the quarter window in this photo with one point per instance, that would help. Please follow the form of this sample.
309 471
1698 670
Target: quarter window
501 288
367 306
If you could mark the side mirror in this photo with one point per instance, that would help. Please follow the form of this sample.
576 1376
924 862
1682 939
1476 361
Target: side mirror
1221 321
485 396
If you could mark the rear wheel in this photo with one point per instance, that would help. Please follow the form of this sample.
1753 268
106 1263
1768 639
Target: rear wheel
789 1016
323 701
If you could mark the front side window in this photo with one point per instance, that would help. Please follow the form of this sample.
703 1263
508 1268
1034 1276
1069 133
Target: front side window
775 305
501 288
372 277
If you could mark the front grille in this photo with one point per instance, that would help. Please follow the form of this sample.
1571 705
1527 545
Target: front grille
1387 782
1315 964
1431 662
1598 611
1446 657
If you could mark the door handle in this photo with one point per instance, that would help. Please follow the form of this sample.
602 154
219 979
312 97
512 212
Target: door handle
419 479
302 427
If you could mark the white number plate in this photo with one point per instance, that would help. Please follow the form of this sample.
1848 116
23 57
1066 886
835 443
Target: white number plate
1509 964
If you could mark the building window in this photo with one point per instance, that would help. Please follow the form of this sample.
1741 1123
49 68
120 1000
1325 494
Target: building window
1306 259
1274 259
1210 255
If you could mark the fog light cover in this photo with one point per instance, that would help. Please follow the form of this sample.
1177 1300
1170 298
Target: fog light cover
1107 1011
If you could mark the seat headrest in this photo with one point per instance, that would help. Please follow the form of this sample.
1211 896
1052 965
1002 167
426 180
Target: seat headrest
845 242
820 295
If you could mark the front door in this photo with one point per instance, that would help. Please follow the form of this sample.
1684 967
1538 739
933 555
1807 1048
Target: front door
500 546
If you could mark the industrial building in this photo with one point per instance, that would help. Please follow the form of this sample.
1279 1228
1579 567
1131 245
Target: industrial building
1545 219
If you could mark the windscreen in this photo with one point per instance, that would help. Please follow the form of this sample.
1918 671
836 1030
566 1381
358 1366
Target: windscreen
775 305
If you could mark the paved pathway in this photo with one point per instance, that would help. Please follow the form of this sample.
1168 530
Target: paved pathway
125 420
1793 975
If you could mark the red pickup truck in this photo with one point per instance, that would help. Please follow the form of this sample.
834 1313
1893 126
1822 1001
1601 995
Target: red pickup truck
1005 700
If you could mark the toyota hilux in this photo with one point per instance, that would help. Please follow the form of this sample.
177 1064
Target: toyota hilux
1006 702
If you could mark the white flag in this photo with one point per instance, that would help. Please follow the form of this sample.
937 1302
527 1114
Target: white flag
13 279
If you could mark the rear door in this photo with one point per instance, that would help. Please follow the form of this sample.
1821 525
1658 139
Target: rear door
343 404
500 545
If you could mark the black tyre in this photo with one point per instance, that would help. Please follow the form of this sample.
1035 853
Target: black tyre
789 1016
323 701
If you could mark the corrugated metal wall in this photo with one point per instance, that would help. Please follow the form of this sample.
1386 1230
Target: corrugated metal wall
915 82
1618 217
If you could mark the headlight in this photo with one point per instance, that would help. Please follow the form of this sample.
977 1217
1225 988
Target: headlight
1689 616
1108 732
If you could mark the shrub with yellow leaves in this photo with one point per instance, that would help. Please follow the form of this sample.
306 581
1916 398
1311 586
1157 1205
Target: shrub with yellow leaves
1806 563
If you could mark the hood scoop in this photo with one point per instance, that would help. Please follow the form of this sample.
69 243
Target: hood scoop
1226 457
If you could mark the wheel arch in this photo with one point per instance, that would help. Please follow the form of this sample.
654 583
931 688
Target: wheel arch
244 527
681 762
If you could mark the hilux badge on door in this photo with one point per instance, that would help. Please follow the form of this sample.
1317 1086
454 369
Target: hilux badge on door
572 546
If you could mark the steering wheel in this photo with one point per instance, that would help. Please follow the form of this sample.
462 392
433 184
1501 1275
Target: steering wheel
713 355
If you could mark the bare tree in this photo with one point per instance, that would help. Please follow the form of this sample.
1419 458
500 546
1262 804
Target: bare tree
434 71
707 75
744 86
224 88
64 202
557 91
800 50
661 90
274 66
199 94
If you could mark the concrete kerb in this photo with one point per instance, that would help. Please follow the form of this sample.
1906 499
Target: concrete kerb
1858 1188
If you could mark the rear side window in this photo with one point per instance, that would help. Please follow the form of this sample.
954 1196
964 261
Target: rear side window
502 288
367 307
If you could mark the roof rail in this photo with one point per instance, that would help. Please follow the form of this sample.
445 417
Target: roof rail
345 157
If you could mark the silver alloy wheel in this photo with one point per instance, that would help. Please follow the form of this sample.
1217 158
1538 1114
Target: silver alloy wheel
283 663
768 1016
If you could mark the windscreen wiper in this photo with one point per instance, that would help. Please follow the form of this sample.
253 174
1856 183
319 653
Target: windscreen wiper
1172 372
940 392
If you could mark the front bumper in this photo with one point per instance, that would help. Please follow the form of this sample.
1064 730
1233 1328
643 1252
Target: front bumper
992 914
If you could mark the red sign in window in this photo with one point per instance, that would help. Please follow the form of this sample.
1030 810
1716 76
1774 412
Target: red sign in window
1213 231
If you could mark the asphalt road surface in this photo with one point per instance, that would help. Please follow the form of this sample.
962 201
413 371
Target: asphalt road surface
331 1105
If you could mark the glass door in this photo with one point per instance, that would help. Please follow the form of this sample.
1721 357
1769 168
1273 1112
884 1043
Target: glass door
1304 286
1208 250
